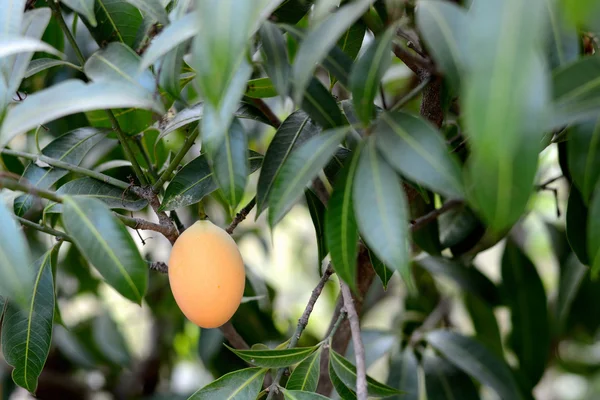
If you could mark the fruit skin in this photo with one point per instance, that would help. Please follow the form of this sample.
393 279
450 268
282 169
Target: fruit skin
207 275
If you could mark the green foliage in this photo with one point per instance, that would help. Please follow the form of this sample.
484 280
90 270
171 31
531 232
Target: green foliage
412 130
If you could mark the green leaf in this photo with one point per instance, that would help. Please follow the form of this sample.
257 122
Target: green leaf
341 231
583 155
526 299
381 211
274 358
172 36
194 181
320 40
572 275
484 323
562 40
113 197
118 21
468 278
106 244
260 88
317 214
230 165
505 127
169 67
118 63
110 341
243 384
152 8
306 375
576 91
34 25
16 277
300 395
301 167
71 148
577 218
340 388
11 16
83 7
443 381
347 374
11 45
382 271
292 11
474 359
70 97
321 106
27 332
404 374
460 229
444 27
593 233
293 132
42 64
274 50
416 149
350 43
367 73
377 343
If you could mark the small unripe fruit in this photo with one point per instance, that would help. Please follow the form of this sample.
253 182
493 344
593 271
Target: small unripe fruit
206 273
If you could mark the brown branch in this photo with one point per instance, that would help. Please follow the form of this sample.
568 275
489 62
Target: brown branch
421 222
241 216
168 227
266 110
359 349
233 337
302 322
412 61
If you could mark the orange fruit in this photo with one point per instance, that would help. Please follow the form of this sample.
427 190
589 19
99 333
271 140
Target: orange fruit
207 275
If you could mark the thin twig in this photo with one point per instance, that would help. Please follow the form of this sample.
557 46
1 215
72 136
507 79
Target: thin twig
69 167
433 215
266 110
189 142
359 349
12 184
145 155
411 95
126 149
302 322
45 229
239 217
63 25
438 314
233 337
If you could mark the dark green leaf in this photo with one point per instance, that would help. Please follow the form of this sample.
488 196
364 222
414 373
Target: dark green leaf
320 40
457 226
341 231
292 11
151 8
71 148
70 97
467 278
27 332
16 276
317 214
417 150
443 381
300 395
301 167
306 375
381 212
526 298
274 50
321 106
473 358
260 88
107 244
340 388
118 21
347 374
562 39
113 197
593 233
377 343
238 385
404 374
110 340
583 148
83 7
576 91
484 323
275 358
352 40
230 165
444 27
577 219
367 73
572 275
382 271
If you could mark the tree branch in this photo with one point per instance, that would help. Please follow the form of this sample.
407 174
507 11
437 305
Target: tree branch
55 7
126 149
189 142
266 110
302 322
45 229
233 337
412 61
421 222
359 349
239 217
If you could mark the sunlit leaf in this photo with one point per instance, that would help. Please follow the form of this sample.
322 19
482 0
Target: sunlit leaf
83 7
238 385
42 64
300 395
341 389
118 21
231 164
275 358
11 45
276 59
106 244
260 88
306 374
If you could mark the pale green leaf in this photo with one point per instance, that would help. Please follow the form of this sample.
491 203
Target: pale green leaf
11 45
41 64
274 50
306 374
243 384
230 165
83 7
275 358
151 8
